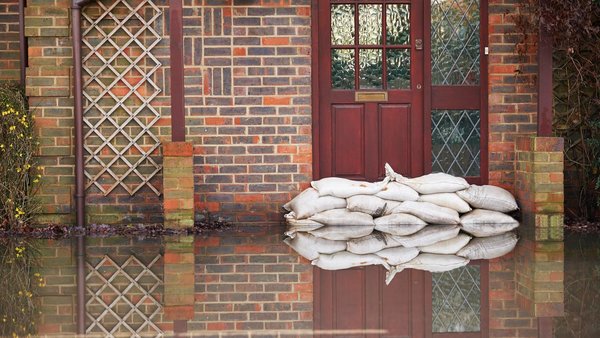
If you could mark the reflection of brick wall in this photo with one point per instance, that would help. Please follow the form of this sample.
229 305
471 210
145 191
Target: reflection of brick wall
512 92
9 40
251 282
247 75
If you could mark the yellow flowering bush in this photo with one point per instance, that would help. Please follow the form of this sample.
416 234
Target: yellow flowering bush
19 174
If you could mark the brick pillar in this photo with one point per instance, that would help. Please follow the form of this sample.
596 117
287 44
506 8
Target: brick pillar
540 185
178 182
179 282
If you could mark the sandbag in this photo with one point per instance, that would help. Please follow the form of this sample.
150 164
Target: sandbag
395 191
489 247
429 212
399 224
427 236
428 262
447 247
368 204
391 207
485 223
429 184
344 188
398 255
489 197
308 203
449 200
344 260
343 217
343 232
367 244
309 246
299 225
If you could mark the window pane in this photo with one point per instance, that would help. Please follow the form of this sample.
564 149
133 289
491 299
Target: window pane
342 24
455 144
370 23
371 68
455 42
398 24
456 300
398 68
342 69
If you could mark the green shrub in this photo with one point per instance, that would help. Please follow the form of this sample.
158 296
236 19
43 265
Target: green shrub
19 175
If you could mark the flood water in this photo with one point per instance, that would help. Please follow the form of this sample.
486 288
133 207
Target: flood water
247 283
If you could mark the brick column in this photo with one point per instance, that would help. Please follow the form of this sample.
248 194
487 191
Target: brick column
178 182
539 184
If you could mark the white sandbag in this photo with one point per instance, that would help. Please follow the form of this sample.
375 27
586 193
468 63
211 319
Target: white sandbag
398 255
344 188
429 212
429 184
485 223
299 225
399 224
343 217
447 247
344 260
489 197
343 232
391 207
428 262
309 246
368 204
489 247
367 244
308 203
427 236
448 200
395 191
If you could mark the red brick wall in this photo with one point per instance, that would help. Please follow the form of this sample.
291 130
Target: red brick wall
9 40
247 73
512 92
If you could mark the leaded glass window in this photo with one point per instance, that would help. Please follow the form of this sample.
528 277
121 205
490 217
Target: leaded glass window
456 300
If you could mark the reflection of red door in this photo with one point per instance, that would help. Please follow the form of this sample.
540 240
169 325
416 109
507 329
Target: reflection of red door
370 88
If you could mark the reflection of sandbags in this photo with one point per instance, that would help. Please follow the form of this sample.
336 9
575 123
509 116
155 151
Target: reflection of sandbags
489 247
448 200
299 225
308 203
309 246
343 232
344 188
367 244
368 204
398 255
436 263
489 197
395 191
447 247
399 224
427 236
484 223
429 184
344 260
429 212
343 217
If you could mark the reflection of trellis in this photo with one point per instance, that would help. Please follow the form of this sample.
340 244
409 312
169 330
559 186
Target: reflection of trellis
123 298
118 69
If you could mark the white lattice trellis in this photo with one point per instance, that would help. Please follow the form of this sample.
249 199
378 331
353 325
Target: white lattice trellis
123 298
118 64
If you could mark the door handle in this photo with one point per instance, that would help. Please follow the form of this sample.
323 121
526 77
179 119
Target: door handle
419 44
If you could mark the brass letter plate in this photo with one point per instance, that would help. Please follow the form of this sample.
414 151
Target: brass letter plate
371 96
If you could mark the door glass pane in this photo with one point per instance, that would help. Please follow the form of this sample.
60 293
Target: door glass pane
371 68
342 68
342 24
456 300
398 68
370 24
455 42
455 144
397 24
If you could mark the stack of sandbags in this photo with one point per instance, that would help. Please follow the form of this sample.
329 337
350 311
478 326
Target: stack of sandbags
435 222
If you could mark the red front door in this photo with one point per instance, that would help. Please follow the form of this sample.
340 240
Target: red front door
370 88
